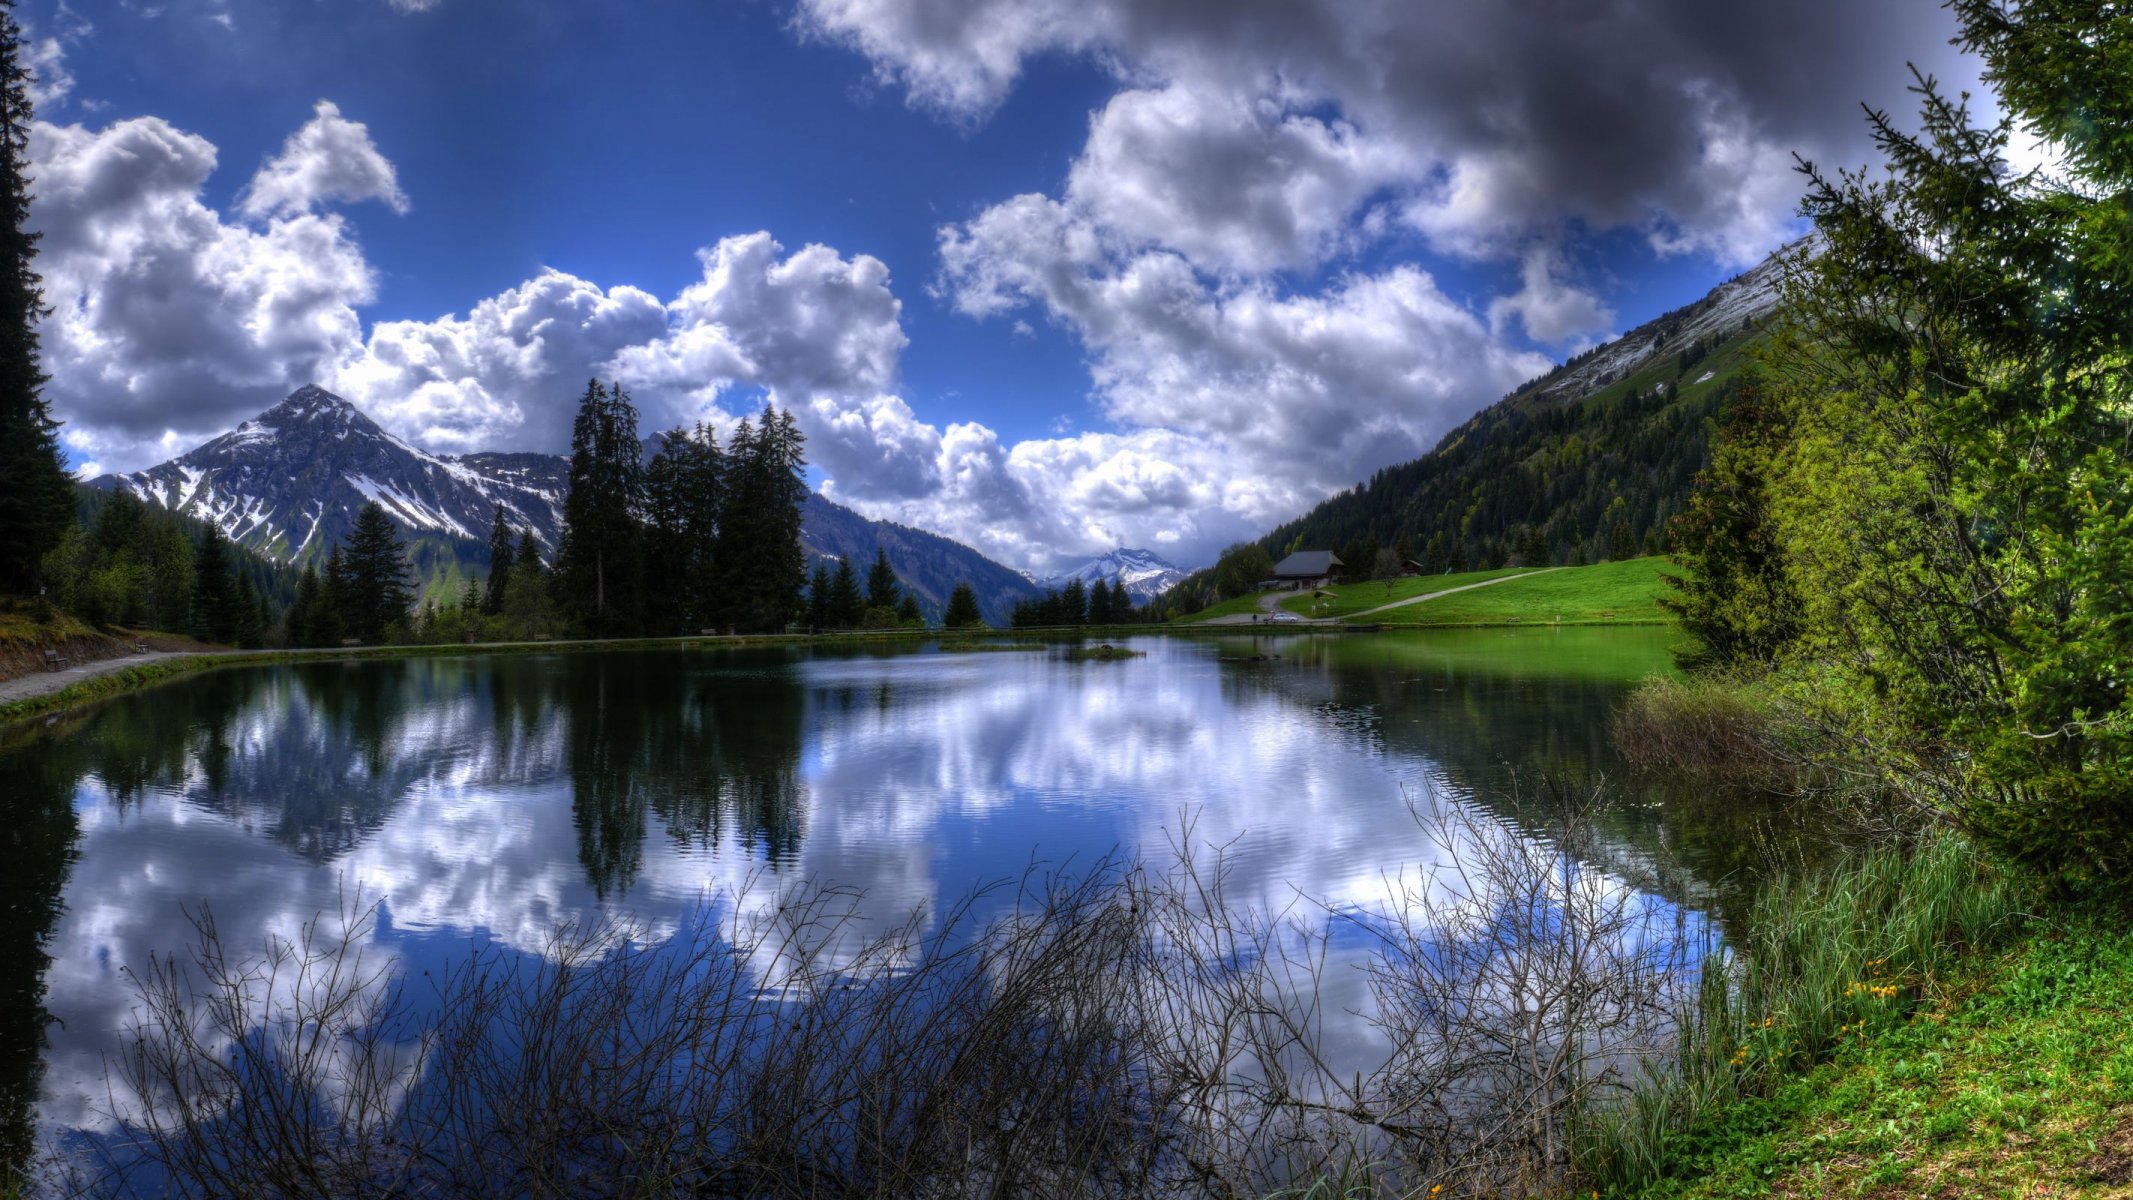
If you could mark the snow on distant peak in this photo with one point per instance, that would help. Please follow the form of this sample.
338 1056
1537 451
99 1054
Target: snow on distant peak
1143 572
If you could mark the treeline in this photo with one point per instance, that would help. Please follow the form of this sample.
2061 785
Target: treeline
126 564
835 601
1522 483
701 537
1077 604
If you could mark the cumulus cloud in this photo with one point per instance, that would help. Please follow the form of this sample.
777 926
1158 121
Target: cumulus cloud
169 322
1551 310
504 375
331 159
1669 116
1233 403
49 81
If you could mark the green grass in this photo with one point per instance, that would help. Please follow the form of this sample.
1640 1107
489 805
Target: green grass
1352 598
1614 593
2014 1078
1245 604
1822 966
1600 655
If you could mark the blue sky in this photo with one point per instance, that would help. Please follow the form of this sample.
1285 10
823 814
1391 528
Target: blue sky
1047 277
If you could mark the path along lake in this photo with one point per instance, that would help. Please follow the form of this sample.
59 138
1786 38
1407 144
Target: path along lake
481 801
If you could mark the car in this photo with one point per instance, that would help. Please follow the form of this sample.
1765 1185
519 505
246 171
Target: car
1286 616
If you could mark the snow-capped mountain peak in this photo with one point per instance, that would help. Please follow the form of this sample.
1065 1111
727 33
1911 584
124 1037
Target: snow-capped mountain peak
289 481
1144 572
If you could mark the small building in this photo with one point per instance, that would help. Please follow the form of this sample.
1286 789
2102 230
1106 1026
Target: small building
1307 568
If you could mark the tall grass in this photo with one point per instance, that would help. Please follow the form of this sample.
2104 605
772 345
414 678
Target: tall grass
1823 958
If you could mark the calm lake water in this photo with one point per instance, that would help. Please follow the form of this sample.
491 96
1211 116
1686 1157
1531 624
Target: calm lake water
483 800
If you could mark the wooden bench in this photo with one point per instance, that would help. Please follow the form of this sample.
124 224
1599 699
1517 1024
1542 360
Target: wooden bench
54 660
140 647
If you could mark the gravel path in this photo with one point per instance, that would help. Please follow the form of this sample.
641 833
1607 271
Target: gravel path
44 683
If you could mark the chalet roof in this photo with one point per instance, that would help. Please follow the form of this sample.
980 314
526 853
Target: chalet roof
1307 564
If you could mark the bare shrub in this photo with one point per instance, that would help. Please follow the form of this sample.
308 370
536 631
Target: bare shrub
1124 1030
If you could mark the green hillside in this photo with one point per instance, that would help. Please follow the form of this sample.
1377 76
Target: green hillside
1585 464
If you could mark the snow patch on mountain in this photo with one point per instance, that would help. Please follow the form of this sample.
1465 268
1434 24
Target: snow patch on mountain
1145 573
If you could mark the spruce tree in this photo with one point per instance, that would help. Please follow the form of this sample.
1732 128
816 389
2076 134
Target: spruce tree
1073 605
962 608
818 598
907 611
377 592
881 582
214 593
598 566
300 623
36 497
499 564
847 603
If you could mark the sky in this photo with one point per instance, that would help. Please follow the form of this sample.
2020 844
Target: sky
1046 276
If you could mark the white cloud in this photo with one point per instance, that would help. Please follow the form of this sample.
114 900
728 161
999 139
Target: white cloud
1236 183
506 374
167 321
330 160
1671 117
50 81
1551 310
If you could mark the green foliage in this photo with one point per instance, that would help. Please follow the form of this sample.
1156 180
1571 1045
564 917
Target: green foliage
371 592
881 582
1735 597
1241 569
1954 495
500 556
36 497
963 609
1822 961
599 569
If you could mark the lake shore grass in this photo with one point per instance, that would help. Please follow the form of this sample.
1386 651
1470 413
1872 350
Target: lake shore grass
1611 593
2011 1075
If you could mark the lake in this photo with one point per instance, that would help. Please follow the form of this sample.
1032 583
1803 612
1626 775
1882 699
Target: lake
482 801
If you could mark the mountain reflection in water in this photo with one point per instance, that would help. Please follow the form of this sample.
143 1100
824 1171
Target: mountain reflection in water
485 800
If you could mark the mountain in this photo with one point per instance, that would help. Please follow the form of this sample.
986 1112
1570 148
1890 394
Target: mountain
927 563
1145 573
1587 462
287 484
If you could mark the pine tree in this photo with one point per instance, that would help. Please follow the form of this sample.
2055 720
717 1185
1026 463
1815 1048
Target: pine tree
300 623
499 564
848 604
528 555
759 529
1073 604
818 598
703 496
36 497
598 565
881 582
962 609
376 591
907 611
1100 603
245 625
214 593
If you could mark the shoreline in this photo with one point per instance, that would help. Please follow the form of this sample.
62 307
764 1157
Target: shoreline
49 693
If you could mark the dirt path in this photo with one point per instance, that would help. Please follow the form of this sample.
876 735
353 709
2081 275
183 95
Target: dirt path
1371 612
44 683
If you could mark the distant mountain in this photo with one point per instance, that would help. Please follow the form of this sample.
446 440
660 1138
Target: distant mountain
1589 461
288 483
928 563
1145 573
